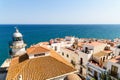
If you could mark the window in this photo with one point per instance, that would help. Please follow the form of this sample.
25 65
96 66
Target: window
55 48
107 57
89 69
95 75
103 59
17 39
67 56
81 70
114 69
73 62
86 49
81 61
41 54
63 53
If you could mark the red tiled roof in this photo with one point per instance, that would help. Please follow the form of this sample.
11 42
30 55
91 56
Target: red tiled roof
36 50
38 69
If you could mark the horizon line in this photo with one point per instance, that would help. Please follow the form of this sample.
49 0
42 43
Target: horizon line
61 24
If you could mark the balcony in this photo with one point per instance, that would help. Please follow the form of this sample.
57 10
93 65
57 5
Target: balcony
90 73
95 67
89 76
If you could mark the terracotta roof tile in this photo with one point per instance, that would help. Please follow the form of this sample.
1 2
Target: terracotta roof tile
57 56
39 69
95 43
101 53
36 50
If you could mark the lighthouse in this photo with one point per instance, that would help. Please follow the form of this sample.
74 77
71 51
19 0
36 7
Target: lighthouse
17 45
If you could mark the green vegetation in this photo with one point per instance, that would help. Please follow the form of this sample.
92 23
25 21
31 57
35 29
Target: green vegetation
92 79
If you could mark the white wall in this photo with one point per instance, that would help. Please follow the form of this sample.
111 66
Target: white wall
18 51
58 45
71 39
76 57
88 46
117 51
99 48
85 57
96 49
66 52
109 65
32 55
18 43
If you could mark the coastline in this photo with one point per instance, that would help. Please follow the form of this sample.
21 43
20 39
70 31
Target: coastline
39 33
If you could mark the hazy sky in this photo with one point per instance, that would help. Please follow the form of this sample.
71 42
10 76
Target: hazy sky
59 11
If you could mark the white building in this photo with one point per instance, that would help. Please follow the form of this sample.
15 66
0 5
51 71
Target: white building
86 54
71 55
83 60
117 50
80 57
99 52
58 43
94 71
113 68
94 46
17 45
96 67
102 56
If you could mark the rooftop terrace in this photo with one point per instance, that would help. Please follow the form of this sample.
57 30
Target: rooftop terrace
116 60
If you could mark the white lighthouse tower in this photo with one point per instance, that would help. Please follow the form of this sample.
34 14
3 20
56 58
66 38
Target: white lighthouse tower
17 45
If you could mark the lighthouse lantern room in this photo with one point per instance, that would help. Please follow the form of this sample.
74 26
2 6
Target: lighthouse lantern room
17 46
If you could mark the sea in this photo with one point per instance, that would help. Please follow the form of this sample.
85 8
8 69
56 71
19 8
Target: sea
35 33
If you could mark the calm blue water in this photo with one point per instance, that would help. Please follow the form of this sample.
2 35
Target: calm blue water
36 33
